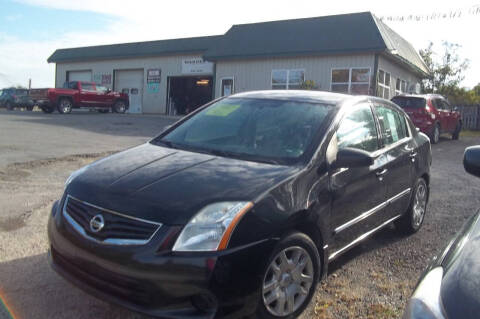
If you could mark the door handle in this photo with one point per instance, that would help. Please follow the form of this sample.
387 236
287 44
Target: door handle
412 156
381 173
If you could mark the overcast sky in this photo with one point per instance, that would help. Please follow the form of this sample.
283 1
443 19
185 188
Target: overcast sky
30 30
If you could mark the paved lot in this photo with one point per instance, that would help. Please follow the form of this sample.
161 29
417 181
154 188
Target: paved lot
38 151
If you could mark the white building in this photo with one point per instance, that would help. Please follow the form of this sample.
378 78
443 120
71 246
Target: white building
352 53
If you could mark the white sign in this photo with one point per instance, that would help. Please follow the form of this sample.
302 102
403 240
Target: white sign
196 66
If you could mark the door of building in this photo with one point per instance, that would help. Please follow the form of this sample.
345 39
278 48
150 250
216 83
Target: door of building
131 82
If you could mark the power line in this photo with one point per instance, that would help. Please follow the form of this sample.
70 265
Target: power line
452 14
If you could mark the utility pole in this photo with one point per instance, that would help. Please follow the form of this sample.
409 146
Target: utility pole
29 84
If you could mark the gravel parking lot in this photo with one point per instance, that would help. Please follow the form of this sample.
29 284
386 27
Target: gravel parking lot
38 151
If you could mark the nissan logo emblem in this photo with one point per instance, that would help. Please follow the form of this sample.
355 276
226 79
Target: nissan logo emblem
97 223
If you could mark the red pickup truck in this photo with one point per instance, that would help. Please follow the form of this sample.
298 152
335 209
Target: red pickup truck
76 94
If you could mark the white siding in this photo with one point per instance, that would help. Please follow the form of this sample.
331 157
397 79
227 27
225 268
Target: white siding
153 102
396 71
255 74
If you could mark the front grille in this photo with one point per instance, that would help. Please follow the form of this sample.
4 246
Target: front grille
119 286
118 228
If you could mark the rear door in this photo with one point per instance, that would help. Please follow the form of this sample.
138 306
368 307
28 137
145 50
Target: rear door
87 94
443 114
358 193
399 151
452 120
104 98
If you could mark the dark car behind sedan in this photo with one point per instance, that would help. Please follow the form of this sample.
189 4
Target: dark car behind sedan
450 286
11 98
238 208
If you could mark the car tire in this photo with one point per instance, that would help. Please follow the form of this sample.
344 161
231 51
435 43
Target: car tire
9 106
65 106
435 136
290 277
119 107
103 110
413 218
47 109
30 108
456 133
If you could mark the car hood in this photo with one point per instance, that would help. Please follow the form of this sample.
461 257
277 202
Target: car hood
460 289
169 185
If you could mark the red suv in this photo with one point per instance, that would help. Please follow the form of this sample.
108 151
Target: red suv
432 114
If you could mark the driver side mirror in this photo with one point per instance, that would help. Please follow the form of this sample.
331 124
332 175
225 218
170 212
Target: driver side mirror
471 160
352 157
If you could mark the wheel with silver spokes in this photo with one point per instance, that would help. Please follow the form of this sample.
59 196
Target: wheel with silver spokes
119 107
435 137
290 278
419 205
65 106
413 219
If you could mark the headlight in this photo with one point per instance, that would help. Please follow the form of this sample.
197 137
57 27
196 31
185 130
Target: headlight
75 174
211 228
425 302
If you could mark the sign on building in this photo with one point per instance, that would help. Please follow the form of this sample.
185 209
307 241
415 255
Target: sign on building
196 66
153 80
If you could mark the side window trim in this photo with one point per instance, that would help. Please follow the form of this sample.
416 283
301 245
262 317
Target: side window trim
382 147
353 109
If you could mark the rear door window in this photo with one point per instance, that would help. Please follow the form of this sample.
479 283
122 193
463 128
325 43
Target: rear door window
445 105
87 87
392 125
70 85
101 89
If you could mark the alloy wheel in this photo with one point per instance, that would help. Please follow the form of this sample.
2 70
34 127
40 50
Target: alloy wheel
120 107
288 281
436 134
66 106
419 205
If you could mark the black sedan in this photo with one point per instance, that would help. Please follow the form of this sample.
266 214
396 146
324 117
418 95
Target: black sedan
238 208
450 286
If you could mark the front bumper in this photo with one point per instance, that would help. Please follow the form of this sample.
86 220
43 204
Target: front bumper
160 283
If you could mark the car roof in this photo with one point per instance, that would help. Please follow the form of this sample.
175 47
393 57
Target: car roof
428 95
301 96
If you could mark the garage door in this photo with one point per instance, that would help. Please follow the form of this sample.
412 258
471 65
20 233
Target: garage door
85 76
131 82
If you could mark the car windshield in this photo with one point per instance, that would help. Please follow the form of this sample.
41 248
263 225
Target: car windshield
408 102
274 131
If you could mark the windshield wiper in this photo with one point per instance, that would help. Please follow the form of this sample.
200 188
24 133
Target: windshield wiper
243 156
217 152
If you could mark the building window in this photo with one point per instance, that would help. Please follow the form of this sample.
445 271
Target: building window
400 87
383 87
287 79
352 80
